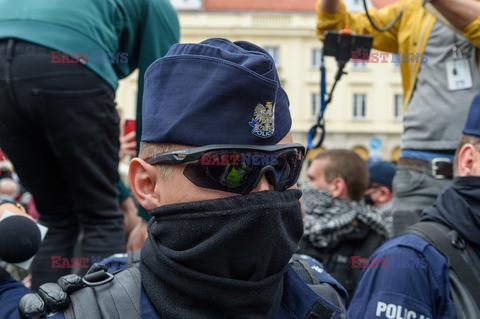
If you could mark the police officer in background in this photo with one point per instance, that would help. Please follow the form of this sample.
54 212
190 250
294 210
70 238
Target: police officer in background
417 281
217 170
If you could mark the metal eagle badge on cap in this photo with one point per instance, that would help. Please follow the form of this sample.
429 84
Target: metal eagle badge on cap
263 121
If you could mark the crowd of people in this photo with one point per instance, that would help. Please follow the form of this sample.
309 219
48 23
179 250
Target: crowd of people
213 223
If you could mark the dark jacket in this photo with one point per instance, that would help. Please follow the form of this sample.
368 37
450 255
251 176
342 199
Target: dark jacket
341 260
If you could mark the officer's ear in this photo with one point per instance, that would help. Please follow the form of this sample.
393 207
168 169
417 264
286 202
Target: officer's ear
468 161
143 178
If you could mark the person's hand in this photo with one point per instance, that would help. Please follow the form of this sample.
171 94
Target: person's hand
330 6
128 145
27 281
130 217
137 236
14 209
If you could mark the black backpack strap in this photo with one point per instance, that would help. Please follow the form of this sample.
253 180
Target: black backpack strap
118 297
133 258
307 274
329 293
303 269
460 256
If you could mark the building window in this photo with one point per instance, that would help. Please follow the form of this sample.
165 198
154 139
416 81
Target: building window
316 105
274 52
362 151
398 107
359 106
396 61
316 58
187 4
359 65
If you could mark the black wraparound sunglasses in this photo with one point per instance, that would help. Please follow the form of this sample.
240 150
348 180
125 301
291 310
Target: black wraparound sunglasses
237 168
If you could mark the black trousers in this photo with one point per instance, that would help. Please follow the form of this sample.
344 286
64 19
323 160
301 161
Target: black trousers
59 127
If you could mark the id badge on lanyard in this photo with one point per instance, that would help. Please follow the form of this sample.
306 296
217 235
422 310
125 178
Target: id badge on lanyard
459 75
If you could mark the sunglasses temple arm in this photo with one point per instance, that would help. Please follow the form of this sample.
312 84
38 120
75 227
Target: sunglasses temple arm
168 159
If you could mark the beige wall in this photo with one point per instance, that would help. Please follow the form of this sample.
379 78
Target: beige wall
294 34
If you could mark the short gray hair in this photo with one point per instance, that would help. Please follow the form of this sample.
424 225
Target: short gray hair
465 139
148 149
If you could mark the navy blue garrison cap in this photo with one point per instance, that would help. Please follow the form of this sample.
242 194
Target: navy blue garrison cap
472 126
381 172
214 92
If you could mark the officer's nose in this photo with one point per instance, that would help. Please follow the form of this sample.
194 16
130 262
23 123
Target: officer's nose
263 185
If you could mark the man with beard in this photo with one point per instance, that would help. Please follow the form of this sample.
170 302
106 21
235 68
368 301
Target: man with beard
419 281
339 230
220 187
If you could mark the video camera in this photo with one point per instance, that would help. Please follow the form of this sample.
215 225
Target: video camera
341 45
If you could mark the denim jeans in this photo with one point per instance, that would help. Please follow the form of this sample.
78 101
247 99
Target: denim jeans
60 129
413 191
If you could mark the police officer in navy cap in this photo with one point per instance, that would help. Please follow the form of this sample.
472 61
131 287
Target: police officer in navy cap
433 270
217 170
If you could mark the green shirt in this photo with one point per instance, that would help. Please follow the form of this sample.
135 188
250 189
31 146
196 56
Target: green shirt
137 31
143 29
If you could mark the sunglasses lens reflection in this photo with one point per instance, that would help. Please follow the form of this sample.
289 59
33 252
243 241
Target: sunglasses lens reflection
237 171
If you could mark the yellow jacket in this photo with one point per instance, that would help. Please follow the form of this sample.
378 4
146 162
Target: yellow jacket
409 34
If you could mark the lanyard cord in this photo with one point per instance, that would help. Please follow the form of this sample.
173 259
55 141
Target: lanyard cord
389 26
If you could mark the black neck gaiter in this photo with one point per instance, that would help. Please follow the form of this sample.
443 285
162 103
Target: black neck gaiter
221 258
458 207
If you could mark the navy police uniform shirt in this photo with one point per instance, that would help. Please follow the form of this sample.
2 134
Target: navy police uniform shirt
406 278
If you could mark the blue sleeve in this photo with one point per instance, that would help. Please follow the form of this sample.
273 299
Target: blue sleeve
405 278
11 291
115 262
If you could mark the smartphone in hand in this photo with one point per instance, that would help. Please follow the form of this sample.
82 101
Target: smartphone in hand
129 127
